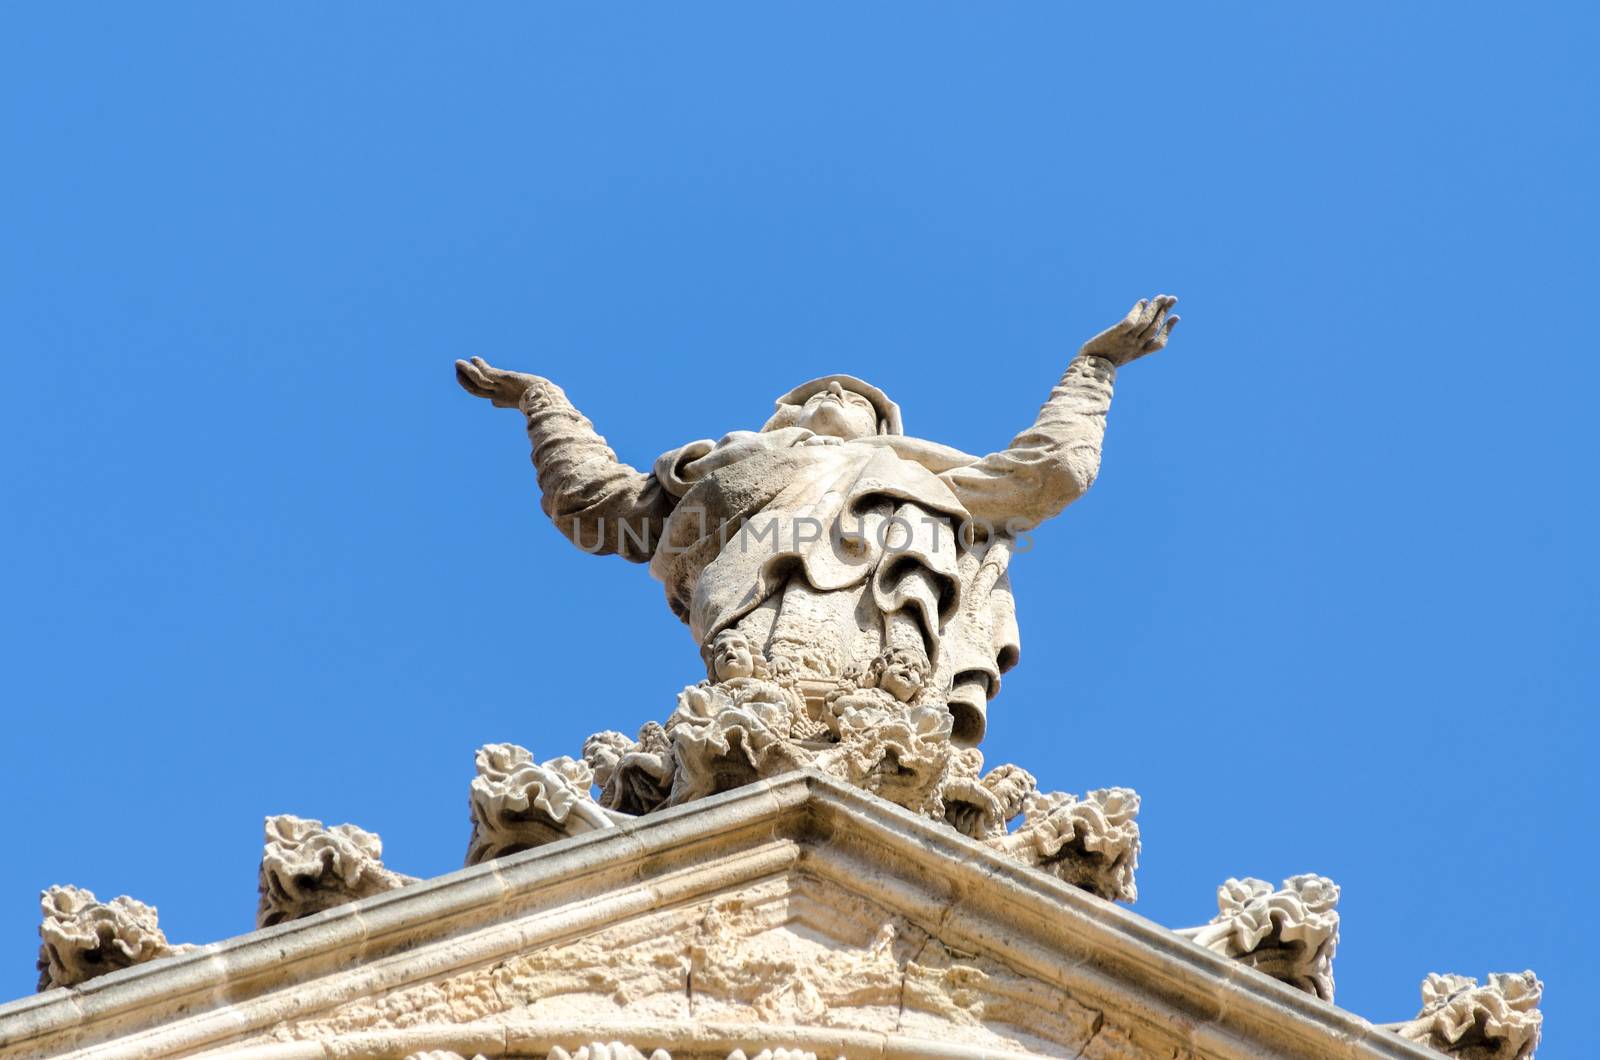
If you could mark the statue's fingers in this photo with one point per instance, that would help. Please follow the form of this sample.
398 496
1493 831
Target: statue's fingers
474 380
1149 325
1162 335
1154 309
1159 306
1134 320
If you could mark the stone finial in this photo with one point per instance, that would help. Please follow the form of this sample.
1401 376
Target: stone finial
517 803
1091 842
82 937
307 867
1497 1021
1290 933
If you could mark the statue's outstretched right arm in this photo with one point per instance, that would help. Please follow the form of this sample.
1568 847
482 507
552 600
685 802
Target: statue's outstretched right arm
599 503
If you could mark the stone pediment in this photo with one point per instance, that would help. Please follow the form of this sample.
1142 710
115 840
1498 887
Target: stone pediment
792 914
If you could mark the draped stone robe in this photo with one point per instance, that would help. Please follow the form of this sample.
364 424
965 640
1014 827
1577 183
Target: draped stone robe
827 553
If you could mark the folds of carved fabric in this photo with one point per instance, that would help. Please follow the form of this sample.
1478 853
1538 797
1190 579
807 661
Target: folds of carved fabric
980 643
635 776
968 701
711 762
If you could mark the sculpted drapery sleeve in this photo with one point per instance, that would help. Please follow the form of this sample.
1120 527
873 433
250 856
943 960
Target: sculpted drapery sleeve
599 503
1049 465
606 507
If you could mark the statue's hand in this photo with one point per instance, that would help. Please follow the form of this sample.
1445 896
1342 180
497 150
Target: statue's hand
1144 330
480 378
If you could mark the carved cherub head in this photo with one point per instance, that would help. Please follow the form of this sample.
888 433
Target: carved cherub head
837 406
732 656
901 672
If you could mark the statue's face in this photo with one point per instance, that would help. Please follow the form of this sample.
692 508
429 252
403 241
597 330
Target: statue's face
902 675
839 413
731 657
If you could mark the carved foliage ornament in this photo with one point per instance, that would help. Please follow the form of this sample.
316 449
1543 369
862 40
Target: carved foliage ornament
1091 842
82 937
517 803
307 867
1497 1021
1291 932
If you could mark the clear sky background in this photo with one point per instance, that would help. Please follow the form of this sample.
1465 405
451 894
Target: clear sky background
1330 608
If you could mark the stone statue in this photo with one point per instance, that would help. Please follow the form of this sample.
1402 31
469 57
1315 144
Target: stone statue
833 544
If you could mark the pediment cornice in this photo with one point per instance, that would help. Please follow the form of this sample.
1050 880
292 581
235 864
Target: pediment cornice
922 917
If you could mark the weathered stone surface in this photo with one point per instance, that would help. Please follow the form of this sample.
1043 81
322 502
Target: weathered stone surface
608 1051
1497 1021
807 857
621 1051
1091 842
518 803
797 914
82 937
307 867
829 539
848 590
1290 933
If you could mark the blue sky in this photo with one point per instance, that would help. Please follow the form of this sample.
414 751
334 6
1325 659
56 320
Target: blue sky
1330 608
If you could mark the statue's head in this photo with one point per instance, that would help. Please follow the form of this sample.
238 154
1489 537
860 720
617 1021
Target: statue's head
901 672
839 406
733 656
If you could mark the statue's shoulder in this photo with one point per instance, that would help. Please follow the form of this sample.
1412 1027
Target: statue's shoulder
935 456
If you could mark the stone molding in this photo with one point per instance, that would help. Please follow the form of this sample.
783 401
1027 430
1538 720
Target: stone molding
957 889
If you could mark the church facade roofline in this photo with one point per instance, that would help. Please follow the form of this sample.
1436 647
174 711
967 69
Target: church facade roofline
956 889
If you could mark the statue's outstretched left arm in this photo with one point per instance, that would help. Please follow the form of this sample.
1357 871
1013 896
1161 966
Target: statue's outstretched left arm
1052 463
